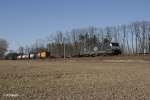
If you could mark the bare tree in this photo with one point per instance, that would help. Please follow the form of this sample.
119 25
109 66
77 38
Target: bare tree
108 33
3 47
39 45
132 37
21 51
27 49
125 39
143 33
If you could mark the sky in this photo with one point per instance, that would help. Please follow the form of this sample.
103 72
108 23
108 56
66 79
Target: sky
24 21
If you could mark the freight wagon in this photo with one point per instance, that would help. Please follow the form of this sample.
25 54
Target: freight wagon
43 54
11 56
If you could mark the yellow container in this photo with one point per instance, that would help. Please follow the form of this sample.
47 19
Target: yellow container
43 54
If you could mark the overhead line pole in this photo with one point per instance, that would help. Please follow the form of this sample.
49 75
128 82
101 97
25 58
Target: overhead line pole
64 49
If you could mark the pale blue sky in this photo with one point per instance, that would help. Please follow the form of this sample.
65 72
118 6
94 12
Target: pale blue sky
24 21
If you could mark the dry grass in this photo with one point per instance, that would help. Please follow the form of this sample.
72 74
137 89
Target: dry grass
75 80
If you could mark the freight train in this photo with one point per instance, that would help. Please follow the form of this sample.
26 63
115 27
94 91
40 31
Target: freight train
111 48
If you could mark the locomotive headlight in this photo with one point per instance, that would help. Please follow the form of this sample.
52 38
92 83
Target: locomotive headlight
111 44
95 49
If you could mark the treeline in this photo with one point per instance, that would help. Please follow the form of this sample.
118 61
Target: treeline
133 38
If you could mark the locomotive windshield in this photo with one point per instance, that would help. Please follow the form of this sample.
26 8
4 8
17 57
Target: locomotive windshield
115 44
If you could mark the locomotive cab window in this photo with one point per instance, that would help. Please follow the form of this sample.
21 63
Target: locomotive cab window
114 44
